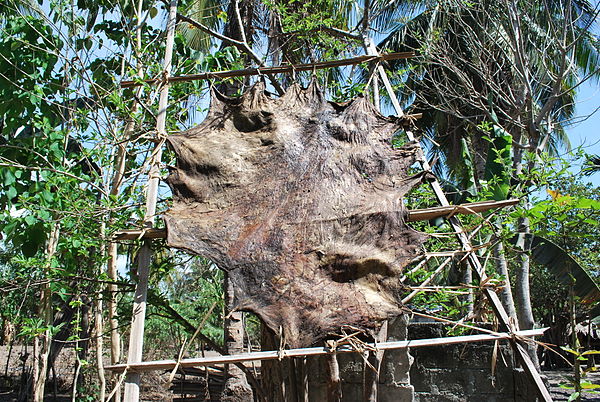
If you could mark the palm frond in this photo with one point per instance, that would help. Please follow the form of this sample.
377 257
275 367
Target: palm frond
209 13
592 165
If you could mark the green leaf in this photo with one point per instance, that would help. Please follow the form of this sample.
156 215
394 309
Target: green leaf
30 219
573 396
586 203
9 177
570 350
47 196
498 163
591 352
11 193
153 12
44 215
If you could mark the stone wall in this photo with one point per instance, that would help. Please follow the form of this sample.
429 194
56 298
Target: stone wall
430 374
462 372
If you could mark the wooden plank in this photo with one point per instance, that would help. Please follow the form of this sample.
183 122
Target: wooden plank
473 260
413 215
272 70
316 351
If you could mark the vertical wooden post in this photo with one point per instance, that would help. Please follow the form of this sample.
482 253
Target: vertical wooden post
473 260
371 373
334 382
136 338
236 387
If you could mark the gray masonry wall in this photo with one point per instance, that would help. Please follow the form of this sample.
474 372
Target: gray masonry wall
464 372
431 374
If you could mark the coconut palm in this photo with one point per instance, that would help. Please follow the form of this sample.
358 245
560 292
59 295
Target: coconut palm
479 60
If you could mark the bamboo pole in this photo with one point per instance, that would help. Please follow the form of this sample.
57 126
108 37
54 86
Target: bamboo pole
427 281
318 351
136 339
412 216
472 258
271 70
447 211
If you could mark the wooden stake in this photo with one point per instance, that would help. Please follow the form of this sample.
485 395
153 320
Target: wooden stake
136 338
334 382
472 258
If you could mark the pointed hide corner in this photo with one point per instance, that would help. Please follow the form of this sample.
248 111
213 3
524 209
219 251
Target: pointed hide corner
256 97
314 91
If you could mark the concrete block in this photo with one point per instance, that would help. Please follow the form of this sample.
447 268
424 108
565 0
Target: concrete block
395 393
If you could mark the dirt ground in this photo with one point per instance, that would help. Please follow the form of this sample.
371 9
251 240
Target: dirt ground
555 378
11 377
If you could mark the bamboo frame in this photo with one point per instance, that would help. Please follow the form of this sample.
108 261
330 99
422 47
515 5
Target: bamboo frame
135 365
271 70
447 211
318 351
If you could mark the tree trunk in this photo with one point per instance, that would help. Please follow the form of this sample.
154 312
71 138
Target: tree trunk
41 345
468 279
506 295
119 164
236 386
522 293
574 343
99 330
272 371
239 27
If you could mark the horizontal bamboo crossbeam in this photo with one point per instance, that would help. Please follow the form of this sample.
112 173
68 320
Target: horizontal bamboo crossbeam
275 354
413 216
426 214
273 70
137 234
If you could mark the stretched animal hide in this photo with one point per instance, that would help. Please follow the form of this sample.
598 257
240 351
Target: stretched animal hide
300 201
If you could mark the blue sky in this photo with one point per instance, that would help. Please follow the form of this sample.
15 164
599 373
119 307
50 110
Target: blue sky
587 132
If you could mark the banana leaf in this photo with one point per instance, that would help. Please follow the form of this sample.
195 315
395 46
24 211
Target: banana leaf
498 163
564 267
